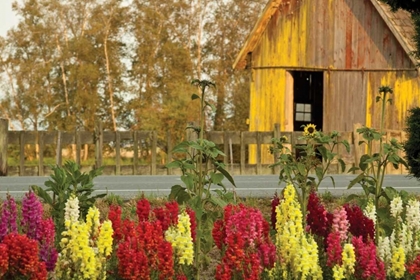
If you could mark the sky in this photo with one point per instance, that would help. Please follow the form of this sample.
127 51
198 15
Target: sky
7 17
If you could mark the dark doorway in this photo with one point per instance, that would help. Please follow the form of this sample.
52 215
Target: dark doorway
308 89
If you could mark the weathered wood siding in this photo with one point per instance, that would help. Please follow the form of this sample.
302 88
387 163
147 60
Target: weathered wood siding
351 43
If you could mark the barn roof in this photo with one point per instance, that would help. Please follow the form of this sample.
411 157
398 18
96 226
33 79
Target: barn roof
399 22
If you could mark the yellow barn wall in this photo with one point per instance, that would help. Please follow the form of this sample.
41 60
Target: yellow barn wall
267 95
406 93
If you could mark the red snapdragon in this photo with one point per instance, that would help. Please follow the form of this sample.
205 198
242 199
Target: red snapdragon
143 209
23 258
114 216
414 267
334 249
360 225
317 218
368 265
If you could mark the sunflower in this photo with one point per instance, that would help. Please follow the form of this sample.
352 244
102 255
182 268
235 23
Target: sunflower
309 130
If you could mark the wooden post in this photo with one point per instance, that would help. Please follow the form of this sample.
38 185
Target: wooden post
41 148
99 140
226 147
59 155
117 153
22 153
78 147
135 152
276 170
242 158
154 147
357 148
259 166
4 129
169 153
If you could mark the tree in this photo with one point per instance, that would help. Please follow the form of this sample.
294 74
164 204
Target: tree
412 6
228 27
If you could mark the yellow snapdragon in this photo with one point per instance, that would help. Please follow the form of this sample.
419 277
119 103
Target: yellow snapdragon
85 245
397 263
181 240
299 253
349 258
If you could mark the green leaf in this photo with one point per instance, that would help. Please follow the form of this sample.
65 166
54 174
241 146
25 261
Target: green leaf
216 178
217 201
213 108
352 169
227 175
347 145
42 194
364 162
188 180
319 173
194 96
342 164
301 168
332 180
174 164
356 180
352 197
390 193
323 151
179 193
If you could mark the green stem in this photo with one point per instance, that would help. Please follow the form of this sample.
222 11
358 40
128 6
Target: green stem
200 181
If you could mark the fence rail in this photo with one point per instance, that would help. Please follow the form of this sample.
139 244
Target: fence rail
145 156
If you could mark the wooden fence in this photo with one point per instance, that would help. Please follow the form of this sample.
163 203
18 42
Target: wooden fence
147 158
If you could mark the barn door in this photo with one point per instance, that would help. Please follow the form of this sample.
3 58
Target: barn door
308 88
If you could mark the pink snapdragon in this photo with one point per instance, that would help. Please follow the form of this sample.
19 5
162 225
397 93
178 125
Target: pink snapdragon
340 223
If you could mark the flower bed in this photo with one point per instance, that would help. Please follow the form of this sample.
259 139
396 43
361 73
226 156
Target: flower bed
157 241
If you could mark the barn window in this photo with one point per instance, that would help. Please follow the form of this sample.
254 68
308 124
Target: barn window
308 91
303 112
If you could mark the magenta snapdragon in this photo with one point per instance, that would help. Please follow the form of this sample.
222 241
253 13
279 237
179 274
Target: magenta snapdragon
47 250
32 211
8 219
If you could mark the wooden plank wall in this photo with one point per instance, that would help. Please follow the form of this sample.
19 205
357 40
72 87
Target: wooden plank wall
234 144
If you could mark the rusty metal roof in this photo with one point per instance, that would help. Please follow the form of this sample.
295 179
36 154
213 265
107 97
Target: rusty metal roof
399 22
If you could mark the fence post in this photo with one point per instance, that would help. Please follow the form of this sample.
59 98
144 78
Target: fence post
4 128
59 155
22 153
154 147
169 154
99 140
41 146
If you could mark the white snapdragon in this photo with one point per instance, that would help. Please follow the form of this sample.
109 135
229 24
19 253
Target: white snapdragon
384 249
396 208
413 215
370 211
71 210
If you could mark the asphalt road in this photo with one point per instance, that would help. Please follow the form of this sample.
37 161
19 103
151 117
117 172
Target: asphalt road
249 185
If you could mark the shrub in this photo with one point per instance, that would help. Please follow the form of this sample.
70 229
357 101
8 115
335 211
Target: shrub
412 145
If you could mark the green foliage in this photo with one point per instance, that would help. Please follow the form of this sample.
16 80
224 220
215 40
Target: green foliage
202 175
372 165
313 158
64 182
412 145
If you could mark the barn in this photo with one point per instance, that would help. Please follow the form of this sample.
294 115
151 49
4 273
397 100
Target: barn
323 61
